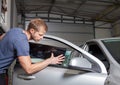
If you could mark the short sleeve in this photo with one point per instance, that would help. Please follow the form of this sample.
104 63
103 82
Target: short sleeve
22 47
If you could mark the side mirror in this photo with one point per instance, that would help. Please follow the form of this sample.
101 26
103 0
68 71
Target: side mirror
80 62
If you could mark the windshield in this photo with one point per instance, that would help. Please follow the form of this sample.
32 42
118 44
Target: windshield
113 46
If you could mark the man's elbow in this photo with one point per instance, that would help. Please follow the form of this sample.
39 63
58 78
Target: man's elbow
28 71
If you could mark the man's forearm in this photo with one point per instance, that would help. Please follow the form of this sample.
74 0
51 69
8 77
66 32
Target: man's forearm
33 68
30 68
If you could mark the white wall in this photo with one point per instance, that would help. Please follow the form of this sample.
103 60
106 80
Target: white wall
76 33
102 33
116 29
102 29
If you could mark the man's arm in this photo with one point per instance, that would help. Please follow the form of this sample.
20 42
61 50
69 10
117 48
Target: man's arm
1 37
30 68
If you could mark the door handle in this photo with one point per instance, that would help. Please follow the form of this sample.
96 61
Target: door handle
26 76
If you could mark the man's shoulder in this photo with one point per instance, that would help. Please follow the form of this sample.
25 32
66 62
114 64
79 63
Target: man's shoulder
16 29
16 33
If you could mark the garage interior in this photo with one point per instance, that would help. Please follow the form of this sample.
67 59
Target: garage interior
77 21
74 20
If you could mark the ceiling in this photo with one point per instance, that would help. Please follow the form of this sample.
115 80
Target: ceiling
95 10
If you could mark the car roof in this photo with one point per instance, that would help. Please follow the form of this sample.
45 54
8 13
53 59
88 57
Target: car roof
100 39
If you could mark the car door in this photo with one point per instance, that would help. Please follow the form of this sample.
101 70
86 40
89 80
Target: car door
77 69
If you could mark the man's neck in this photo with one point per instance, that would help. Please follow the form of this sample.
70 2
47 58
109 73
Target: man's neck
27 34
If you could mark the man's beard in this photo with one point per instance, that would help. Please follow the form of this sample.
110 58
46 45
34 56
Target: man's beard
32 37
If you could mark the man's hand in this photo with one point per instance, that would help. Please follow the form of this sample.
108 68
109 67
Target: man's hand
57 60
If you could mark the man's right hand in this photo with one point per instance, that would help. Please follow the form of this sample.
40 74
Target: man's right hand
57 60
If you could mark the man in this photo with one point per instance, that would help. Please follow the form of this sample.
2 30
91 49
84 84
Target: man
16 40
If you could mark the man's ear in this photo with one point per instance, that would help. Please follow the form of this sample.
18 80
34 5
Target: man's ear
32 30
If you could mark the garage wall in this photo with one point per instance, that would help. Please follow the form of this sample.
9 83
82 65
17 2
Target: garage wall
116 29
102 29
76 33
102 33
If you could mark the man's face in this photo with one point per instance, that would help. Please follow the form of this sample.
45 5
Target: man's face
38 35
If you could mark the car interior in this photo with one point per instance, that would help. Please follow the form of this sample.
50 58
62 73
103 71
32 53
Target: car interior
97 52
44 51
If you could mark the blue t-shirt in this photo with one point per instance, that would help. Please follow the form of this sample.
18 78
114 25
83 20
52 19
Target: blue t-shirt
14 43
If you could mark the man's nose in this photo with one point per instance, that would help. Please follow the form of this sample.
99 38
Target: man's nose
41 37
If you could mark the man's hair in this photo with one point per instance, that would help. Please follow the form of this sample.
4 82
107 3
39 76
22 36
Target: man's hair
36 24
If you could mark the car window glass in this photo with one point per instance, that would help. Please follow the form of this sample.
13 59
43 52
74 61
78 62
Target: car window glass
95 50
43 50
113 47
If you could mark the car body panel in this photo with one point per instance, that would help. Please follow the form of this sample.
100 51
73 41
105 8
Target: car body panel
72 74
59 76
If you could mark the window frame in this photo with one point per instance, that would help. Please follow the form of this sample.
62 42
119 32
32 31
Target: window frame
102 51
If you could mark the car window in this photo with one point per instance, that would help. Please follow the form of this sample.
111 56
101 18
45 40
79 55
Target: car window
95 50
112 46
43 50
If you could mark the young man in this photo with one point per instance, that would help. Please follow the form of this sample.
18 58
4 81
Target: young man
16 41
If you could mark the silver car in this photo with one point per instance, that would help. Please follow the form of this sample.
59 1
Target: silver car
79 67
108 51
